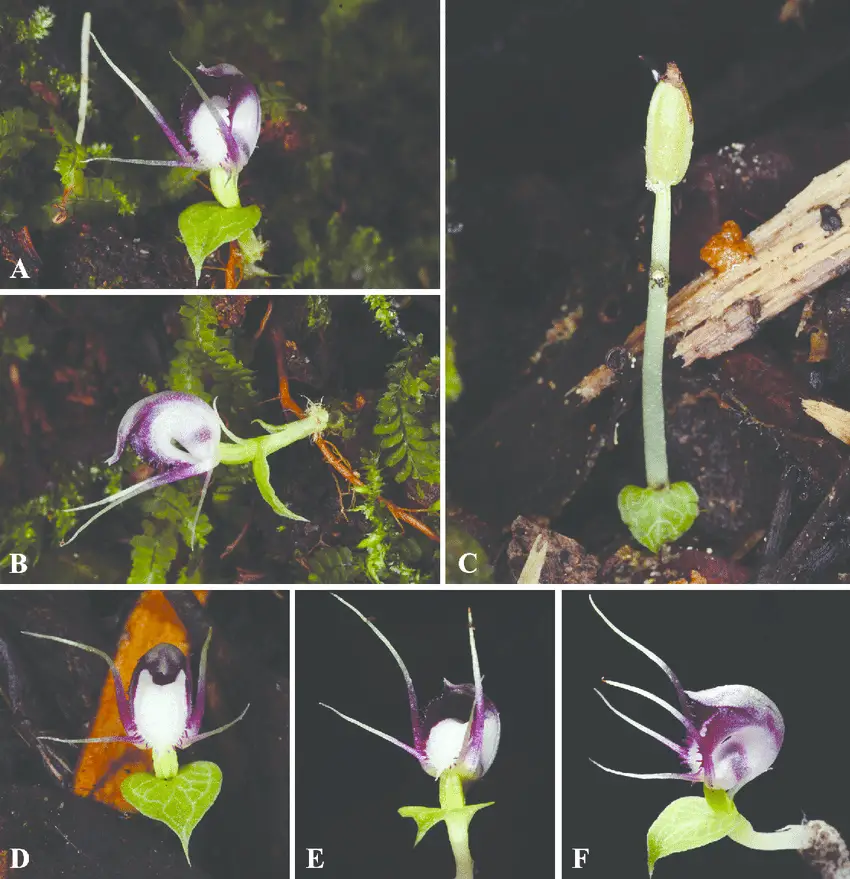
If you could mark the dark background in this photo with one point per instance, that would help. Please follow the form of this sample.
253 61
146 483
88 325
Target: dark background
50 689
789 645
350 783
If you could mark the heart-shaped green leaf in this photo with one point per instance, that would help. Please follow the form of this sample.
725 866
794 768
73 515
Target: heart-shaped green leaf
656 516
691 822
179 802
206 226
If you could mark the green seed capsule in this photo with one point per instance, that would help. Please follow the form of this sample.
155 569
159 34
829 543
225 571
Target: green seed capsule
669 132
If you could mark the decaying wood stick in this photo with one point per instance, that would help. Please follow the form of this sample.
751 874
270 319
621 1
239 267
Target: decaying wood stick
794 255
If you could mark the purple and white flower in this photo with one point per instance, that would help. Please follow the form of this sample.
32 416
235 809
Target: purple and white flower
222 123
159 714
442 741
733 733
174 431
181 435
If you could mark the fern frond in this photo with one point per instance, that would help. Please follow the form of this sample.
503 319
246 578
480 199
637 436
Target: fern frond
207 350
408 441
154 551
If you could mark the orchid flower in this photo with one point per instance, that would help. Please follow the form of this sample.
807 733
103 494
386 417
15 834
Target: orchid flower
441 743
455 751
733 733
159 714
221 123
181 434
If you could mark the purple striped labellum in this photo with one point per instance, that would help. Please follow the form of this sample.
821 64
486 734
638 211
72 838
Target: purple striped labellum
159 715
733 733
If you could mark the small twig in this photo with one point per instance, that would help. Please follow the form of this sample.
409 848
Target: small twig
781 514
265 319
236 542
815 531
84 76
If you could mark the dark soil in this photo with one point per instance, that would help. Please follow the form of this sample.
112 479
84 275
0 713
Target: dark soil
550 223
49 689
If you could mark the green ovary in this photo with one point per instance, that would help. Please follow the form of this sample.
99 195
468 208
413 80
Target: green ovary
165 763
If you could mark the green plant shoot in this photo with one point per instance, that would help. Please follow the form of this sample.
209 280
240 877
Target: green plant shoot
661 512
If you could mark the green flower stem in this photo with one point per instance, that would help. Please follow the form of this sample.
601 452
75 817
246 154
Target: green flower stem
661 512
797 837
245 451
165 763
654 439
457 823
225 187
457 815
256 452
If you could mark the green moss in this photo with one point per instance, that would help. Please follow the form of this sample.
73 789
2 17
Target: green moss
20 348
318 312
336 564
384 313
36 27
359 260
382 560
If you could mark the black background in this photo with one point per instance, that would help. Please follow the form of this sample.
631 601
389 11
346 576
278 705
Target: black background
790 645
349 783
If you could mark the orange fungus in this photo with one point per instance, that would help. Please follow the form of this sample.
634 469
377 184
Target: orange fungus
727 248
